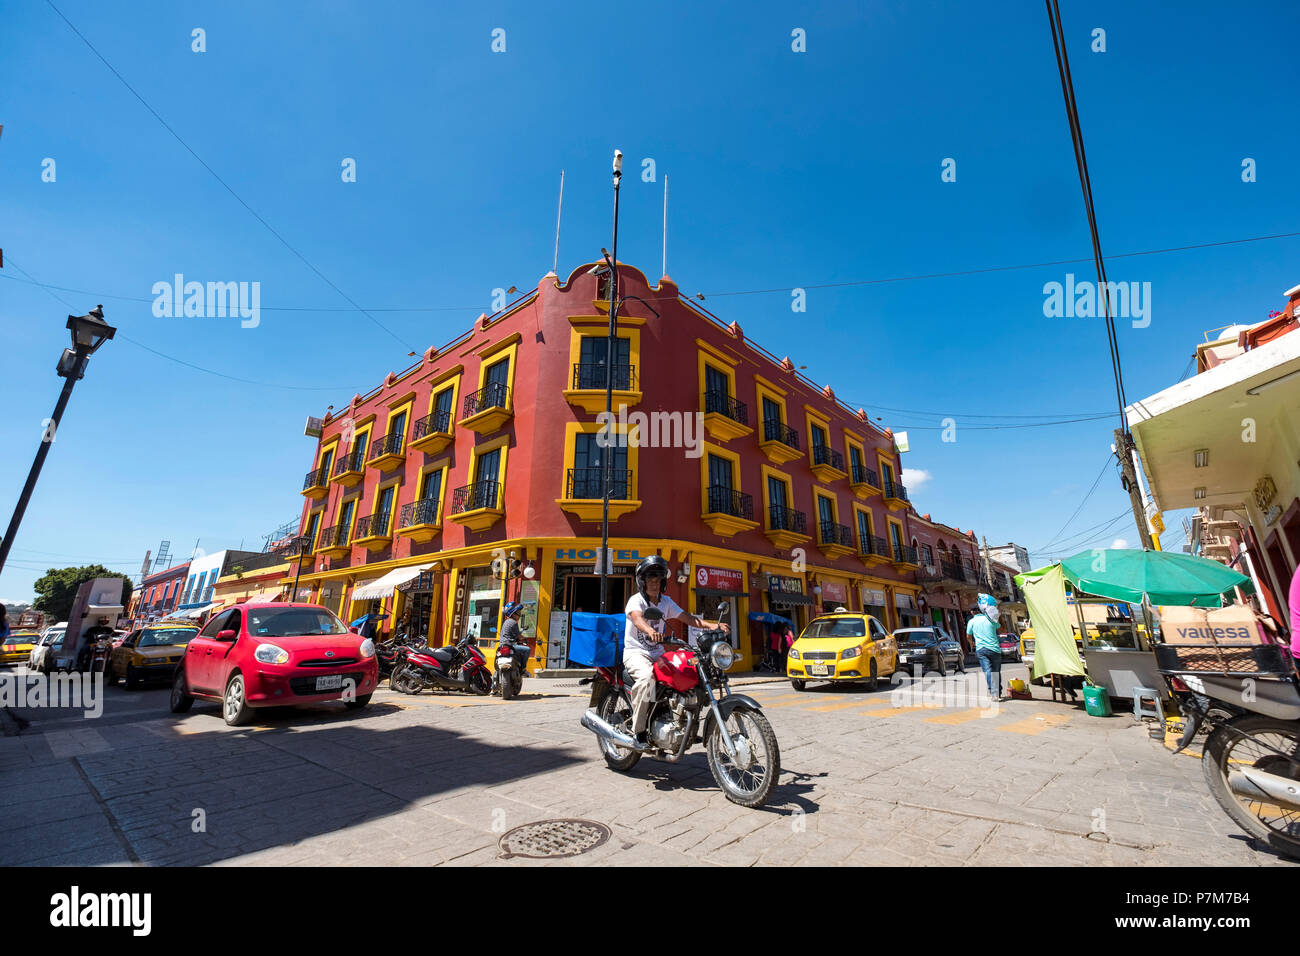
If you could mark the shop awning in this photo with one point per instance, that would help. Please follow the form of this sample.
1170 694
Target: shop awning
269 596
786 599
383 587
192 612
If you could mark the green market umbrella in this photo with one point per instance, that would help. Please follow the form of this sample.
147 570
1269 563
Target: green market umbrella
1162 577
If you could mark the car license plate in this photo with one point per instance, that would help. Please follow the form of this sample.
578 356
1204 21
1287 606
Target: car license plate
334 682
820 670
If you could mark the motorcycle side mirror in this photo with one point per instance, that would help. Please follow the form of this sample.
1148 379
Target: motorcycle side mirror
652 614
724 609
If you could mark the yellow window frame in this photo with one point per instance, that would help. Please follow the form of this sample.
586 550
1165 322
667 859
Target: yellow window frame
769 472
491 355
765 389
851 442
439 385
571 432
881 463
813 418
731 456
835 507
902 535
443 465
709 356
396 484
502 442
593 331
871 523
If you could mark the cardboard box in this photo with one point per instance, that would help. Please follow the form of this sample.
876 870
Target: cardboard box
1185 625
1234 626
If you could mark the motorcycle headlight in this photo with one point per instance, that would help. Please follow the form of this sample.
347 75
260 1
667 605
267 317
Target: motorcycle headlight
271 654
722 655
367 648
794 654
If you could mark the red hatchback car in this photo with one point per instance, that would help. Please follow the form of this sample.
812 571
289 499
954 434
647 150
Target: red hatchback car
274 655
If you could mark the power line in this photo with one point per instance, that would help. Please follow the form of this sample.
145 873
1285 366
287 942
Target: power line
999 427
223 183
1079 534
1075 514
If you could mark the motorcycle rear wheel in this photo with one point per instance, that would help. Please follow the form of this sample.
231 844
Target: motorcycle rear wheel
616 709
751 785
508 686
1225 751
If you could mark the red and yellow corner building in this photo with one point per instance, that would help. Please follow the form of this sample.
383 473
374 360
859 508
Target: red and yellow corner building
474 478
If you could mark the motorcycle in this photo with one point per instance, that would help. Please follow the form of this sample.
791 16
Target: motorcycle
512 668
461 667
1251 756
693 703
392 653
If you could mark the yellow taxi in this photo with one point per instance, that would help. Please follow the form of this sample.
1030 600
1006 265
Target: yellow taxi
149 653
842 647
18 647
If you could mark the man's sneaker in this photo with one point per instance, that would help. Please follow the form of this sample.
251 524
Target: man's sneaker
642 741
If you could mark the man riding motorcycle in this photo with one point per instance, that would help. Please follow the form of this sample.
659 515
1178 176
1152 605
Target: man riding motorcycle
643 642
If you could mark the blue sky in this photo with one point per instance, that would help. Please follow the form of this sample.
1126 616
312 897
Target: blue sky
787 170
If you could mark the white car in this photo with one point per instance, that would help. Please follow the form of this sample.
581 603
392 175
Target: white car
36 659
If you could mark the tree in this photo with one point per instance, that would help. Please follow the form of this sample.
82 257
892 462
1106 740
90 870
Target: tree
57 589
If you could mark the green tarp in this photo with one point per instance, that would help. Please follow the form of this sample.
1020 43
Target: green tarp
1054 649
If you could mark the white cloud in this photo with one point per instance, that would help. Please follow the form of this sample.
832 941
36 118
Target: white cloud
914 478
1119 544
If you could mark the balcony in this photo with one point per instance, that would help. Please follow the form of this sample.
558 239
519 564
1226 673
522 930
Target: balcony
478 506
587 386
725 417
780 442
1217 547
834 540
905 558
787 528
874 551
372 532
895 495
864 482
418 520
349 469
333 541
584 494
388 452
827 464
728 512
432 433
316 485
486 410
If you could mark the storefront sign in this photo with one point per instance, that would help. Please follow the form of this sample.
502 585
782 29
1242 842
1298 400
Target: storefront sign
903 601
778 584
834 593
589 554
873 598
720 579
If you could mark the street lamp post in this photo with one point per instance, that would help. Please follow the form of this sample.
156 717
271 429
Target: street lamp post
89 332
606 455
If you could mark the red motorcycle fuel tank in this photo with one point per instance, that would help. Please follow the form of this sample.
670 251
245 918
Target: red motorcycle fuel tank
677 669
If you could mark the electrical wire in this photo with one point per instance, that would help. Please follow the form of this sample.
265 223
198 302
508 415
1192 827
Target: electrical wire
1075 514
1080 534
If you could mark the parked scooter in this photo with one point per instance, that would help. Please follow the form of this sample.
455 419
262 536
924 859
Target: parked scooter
392 653
692 703
512 668
1251 758
460 667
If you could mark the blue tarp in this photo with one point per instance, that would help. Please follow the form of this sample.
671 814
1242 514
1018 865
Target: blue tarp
596 640
768 618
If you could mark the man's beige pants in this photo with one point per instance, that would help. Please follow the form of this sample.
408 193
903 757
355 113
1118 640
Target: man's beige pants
638 667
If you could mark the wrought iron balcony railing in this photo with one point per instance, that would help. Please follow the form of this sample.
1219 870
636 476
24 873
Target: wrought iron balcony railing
895 489
316 478
372 526
352 461
387 445
493 395
875 545
724 404
826 455
437 423
335 536
906 553
725 501
481 494
774 430
424 511
832 533
782 518
864 476
588 484
594 375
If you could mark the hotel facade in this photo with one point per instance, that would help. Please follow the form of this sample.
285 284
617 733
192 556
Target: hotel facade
475 477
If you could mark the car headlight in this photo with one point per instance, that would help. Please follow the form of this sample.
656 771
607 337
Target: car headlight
722 655
271 654
794 654
849 653
367 648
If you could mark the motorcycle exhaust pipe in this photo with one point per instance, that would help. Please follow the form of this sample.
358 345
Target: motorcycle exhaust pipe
602 728
1265 787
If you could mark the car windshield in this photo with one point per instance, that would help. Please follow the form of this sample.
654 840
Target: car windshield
914 637
173 635
293 622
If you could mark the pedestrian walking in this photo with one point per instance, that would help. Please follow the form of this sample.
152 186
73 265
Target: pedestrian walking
983 627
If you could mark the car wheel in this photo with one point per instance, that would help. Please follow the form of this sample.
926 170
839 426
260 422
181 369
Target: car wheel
234 705
798 684
132 682
873 680
939 668
961 662
358 703
181 701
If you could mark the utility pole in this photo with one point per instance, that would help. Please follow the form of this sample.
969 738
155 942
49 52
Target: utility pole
1125 451
988 567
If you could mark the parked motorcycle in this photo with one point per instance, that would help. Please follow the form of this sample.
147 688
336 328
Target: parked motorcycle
512 668
392 653
1251 758
693 703
460 667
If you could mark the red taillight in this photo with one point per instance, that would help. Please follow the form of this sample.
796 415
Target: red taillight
1178 684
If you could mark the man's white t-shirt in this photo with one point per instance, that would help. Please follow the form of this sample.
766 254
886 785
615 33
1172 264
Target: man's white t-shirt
633 639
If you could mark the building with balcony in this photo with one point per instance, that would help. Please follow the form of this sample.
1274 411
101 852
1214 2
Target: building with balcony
1226 441
434 490
159 593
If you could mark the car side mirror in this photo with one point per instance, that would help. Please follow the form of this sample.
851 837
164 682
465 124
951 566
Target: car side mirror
227 635
354 630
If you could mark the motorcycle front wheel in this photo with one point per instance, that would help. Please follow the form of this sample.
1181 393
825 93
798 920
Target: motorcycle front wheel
404 682
1254 742
616 709
481 683
749 778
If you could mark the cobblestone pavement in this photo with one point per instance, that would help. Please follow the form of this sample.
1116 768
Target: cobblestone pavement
866 779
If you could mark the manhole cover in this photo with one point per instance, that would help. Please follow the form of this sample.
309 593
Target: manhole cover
548 839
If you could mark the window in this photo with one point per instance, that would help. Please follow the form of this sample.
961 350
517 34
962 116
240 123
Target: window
212 581
720 474
896 538
431 485
326 460
487 466
589 464
776 499
397 426
233 621
215 625
771 413
878 632
592 365
313 525
345 520
498 375
717 390
927 554
442 410
887 473
825 510
293 621
383 511
844 627
359 450
818 437
864 532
